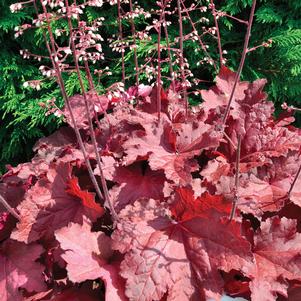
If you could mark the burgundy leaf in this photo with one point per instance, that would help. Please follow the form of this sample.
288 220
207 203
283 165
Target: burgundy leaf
19 269
172 148
136 181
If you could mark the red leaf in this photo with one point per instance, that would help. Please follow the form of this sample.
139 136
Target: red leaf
254 195
7 224
95 103
149 102
181 259
172 181
72 294
86 254
63 136
236 284
47 207
85 251
144 90
171 148
277 258
294 292
87 198
215 169
186 206
218 96
136 181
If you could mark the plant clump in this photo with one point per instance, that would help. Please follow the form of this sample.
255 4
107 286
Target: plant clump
172 182
142 196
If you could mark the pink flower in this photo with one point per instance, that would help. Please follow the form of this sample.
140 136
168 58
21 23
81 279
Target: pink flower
144 90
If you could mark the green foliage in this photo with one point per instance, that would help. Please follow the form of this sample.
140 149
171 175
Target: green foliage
278 20
23 121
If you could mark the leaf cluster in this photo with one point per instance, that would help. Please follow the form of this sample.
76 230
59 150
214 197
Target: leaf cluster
202 210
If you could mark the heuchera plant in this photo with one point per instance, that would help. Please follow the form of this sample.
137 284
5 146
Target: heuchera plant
142 197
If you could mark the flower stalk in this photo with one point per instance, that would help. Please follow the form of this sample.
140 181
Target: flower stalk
94 142
242 61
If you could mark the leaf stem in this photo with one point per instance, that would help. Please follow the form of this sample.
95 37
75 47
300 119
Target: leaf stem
10 209
234 204
294 182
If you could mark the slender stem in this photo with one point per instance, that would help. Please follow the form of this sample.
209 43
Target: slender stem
294 182
254 48
182 56
230 141
219 42
234 204
285 106
94 142
121 39
198 36
10 209
223 14
52 53
89 77
159 62
242 61
92 87
168 50
133 29
27 2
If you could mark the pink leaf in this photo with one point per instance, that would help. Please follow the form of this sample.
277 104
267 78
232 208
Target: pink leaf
95 103
86 254
181 259
277 258
144 90
85 251
218 96
172 148
254 195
